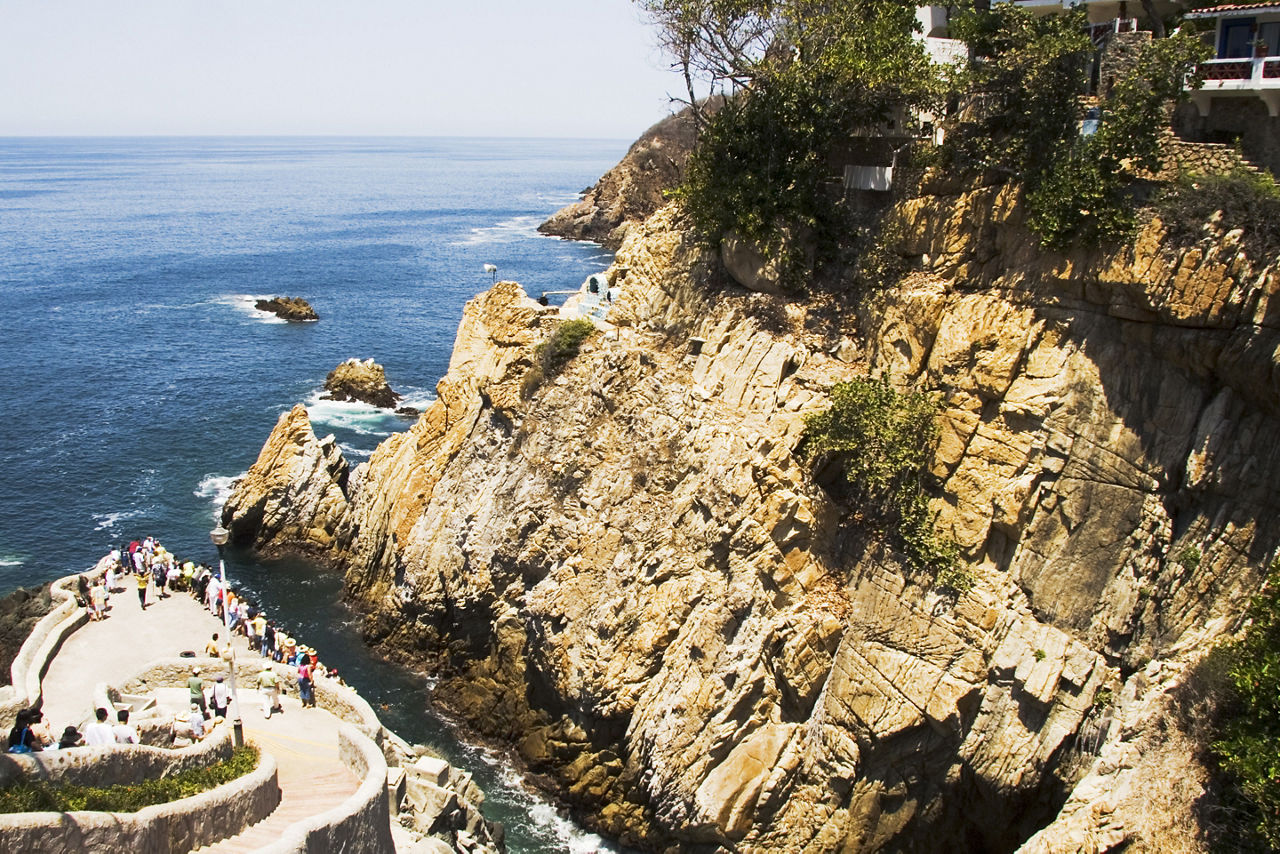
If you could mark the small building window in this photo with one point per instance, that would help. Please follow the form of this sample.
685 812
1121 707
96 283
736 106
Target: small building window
1237 39
1269 34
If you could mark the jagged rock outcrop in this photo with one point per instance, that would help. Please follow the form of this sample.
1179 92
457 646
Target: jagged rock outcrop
294 495
635 188
288 308
364 381
633 577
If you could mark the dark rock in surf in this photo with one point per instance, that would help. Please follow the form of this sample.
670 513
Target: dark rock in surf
288 308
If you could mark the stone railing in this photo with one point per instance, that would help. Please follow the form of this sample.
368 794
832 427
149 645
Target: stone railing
113 764
361 823
32 660
178 826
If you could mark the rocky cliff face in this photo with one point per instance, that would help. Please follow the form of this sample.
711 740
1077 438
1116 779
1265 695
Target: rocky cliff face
632 576
631 191
294 495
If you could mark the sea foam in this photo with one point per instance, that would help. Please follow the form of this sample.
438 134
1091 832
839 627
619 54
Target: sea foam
244 303
360 418
217 488
109 521
506 231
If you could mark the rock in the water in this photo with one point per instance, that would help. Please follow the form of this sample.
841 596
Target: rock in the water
288 308
631 191
294 495
363 381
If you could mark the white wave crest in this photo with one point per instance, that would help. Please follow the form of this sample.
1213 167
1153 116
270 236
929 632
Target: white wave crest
217 488
574 839
546 815
109 521
11 560
351 452
360 418
507 231
245 303
419 399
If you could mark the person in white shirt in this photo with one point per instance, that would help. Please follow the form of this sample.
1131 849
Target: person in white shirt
99 732
196 722
124 733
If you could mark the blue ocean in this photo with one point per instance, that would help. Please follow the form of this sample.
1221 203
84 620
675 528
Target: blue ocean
140 379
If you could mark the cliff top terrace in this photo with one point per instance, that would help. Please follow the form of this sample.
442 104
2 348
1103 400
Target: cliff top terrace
323 778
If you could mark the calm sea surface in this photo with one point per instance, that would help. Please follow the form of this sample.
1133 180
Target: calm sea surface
139 381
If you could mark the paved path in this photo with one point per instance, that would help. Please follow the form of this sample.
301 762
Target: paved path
304 742
114 649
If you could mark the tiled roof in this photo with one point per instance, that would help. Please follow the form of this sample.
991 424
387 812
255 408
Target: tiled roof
1219 11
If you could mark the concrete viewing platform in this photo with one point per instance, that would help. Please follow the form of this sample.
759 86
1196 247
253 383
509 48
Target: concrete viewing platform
331 776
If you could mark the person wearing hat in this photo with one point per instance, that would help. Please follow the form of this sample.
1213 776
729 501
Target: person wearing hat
269 685
70 738
196 686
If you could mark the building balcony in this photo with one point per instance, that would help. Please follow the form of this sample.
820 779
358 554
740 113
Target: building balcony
1258 77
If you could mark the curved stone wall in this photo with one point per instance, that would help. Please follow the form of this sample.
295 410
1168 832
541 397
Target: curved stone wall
359 825
172 828
32 661
113 764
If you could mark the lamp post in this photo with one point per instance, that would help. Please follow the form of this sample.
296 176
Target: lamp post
219 537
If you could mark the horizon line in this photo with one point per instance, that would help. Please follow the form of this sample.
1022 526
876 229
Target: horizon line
298 136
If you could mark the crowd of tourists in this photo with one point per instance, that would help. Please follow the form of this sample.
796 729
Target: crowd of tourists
154 572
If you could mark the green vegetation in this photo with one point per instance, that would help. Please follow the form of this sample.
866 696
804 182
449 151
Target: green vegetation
804 75
1189 558
1024 92
46 797
1247 200
808 76
1039 654
1248 743
550 357
881 440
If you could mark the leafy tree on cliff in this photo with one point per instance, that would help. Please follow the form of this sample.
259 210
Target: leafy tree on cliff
802 74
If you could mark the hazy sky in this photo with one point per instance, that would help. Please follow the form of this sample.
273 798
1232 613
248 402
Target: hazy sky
576 68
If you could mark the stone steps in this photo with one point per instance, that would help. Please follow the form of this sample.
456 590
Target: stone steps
297 802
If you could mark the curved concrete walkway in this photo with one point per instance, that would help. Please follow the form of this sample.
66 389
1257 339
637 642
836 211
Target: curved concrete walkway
304 742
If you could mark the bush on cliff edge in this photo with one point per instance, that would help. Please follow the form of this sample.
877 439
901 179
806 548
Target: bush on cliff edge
881 440
550 357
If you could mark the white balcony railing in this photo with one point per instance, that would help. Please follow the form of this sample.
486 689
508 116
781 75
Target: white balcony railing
1225 77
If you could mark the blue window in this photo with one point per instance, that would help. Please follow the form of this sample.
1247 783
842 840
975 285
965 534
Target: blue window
1237 39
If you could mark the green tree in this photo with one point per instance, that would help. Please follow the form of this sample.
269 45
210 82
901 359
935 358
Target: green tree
803 74
881 440
1250 745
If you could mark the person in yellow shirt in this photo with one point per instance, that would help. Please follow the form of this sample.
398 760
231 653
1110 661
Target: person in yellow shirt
144 579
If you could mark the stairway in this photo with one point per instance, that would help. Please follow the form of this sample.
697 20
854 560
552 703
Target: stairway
297 802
